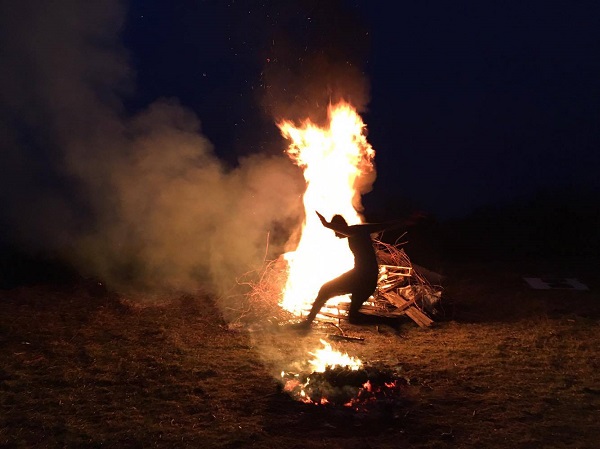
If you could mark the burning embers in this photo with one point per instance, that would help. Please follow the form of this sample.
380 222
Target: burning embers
341 380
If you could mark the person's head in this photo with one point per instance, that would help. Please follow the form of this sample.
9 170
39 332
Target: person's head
338 222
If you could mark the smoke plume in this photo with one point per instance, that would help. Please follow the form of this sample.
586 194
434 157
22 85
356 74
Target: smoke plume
133 200
315 56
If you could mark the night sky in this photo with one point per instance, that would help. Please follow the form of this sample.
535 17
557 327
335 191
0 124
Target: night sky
467 104
139 140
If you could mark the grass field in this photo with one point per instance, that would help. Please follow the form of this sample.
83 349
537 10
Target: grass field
508 367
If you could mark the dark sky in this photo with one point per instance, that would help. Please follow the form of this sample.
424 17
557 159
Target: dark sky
469 103
138 138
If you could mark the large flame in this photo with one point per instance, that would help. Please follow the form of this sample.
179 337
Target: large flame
334 158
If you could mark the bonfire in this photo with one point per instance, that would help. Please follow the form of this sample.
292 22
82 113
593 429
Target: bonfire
337 163
338 166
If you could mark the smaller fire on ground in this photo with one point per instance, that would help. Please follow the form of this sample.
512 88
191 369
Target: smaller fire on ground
338 379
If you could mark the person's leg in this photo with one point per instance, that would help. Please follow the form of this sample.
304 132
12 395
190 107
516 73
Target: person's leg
357 300
319 302
327 291
359 318
361 293
335 287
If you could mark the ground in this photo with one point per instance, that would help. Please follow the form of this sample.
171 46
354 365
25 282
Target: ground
509 367
506 367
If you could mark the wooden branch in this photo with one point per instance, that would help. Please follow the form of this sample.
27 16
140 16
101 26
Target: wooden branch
409 309
344 337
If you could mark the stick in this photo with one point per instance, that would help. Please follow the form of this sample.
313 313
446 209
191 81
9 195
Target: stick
267 248
344 337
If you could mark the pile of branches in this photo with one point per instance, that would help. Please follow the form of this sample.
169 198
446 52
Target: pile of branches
415 287
262 289
261 293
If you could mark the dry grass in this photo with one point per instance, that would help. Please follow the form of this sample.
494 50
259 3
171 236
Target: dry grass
258 294
511 368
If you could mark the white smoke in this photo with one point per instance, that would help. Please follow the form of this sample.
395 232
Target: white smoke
139 199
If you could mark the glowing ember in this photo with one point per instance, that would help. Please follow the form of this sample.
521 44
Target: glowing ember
336 161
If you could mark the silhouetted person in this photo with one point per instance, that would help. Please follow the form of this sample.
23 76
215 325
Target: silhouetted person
360 282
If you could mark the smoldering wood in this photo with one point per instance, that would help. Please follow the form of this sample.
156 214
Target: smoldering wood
344 386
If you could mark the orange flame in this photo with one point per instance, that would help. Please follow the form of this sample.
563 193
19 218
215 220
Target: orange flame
323 358
327 357
335 160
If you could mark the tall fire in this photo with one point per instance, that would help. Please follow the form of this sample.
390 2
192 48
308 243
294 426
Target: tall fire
335 160
338 167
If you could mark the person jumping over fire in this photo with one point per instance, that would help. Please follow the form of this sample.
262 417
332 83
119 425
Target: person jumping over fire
360 282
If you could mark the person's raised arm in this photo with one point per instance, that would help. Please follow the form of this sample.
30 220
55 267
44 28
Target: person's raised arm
323 221
373 228
330 225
